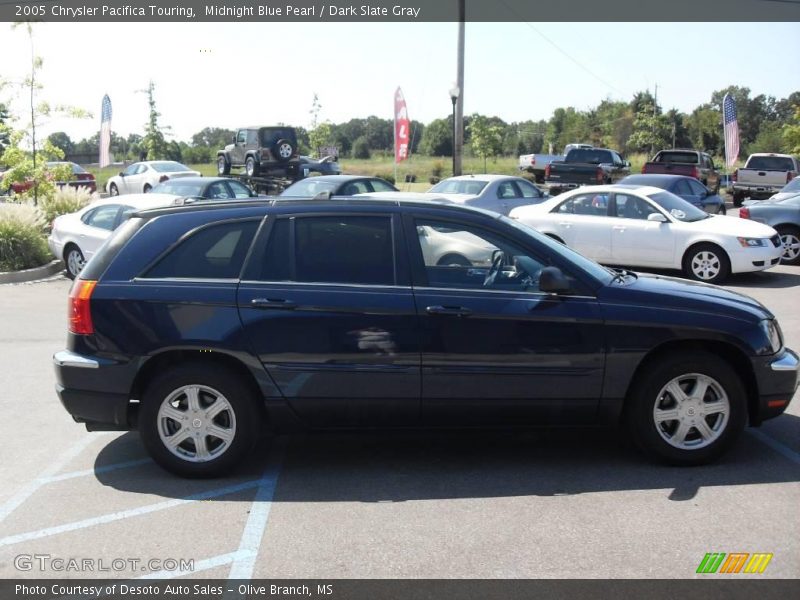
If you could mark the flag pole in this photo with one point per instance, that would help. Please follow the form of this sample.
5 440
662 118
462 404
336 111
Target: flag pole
394 137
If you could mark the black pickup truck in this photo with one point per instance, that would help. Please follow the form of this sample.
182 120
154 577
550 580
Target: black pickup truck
585 166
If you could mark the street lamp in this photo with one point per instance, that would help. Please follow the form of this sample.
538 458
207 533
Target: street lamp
455 92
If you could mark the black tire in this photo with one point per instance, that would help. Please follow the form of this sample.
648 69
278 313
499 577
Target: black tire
789 234
648 394
712 260
454 260
738 199
223 166
73 260
283 150
113 190
251 166
244 422
147 187
722 210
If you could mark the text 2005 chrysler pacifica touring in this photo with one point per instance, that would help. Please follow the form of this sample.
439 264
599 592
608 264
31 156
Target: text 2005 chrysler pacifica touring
201 325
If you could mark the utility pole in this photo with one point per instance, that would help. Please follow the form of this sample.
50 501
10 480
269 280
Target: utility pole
458 141
655 113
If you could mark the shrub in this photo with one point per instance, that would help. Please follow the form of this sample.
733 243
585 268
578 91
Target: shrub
66 200
437 169
361 148
22 245
433 180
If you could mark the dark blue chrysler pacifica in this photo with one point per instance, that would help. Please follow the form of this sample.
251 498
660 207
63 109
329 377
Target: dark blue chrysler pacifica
200 326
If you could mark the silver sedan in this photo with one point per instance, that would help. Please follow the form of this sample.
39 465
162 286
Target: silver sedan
498 193
782 214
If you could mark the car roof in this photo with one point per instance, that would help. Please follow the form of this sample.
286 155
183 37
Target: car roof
642 177
138 201
339 178
480 176
195 179
645 190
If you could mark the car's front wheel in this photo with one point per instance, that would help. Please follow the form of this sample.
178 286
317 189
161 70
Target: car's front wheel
707 263
197 421
251 167
790 238
223 166
687 409
147 187
113 190
74 261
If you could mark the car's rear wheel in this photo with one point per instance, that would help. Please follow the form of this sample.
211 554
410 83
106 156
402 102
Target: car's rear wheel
198 421
790 238
687 409
74 261
113 190
707 263
223 166
251 167
738 199
721 210
147 187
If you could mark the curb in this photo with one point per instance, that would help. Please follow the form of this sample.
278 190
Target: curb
47 270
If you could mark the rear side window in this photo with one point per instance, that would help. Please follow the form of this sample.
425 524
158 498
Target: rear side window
214 252
771 163
345 249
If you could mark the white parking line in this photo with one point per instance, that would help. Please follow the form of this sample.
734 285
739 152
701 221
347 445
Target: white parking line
30 488
253 533
126 514
776 445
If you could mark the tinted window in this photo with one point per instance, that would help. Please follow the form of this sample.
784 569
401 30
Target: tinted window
528 190
343 249
355 187
239 190
770 163
459 186
585 204
379 185
102 217
308 188
633 207
217 191
271 135
214 252
506 190
678 157
169 167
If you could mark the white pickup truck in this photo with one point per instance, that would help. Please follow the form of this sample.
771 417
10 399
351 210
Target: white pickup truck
537 163
763 175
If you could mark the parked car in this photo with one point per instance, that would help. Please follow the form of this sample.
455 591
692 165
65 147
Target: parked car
537 163
205 188
782 214
141 177
498 193
642 226
327 165
328 314
80 178
75 237
790 189
336 185
762 176
262 151
691 163
688 188
585 166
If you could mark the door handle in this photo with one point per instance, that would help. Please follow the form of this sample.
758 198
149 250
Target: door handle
565 224
456 311
273 303
618 228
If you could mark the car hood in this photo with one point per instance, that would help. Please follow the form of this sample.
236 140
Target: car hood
682 294
734 226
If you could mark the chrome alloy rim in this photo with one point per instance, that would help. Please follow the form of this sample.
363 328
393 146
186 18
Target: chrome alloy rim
196 423
691 411
705 265
75 262
791 247
285 150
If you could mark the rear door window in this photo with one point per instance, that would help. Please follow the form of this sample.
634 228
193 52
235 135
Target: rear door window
103 217
213 252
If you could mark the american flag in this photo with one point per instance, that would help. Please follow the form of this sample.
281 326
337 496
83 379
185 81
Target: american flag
105 133
731 130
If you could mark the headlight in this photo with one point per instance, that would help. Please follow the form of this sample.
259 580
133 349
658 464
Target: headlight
751 242
772 330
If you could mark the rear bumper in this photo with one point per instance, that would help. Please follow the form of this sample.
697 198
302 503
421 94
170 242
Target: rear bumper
757 191
94 391
777 379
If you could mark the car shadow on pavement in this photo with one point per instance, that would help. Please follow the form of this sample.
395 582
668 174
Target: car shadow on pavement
766 279
396 466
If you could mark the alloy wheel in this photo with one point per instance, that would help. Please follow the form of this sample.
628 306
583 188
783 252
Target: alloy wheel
75 262
705 265
791 247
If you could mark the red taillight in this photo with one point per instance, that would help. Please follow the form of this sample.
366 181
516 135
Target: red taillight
547 172
790 175
163 178
80 314
533 160
744 212
735 176
599 175
695 173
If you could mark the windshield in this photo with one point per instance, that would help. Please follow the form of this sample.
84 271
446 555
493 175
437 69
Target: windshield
792 186
459 186
595 270
179 188
169 167
308 188
678 208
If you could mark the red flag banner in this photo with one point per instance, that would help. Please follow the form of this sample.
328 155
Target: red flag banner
402 127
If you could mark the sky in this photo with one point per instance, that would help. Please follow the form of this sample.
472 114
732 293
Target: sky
237 74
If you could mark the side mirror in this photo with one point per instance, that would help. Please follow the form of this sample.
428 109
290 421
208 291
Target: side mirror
421 231
121 174
553 281
657 218
627 163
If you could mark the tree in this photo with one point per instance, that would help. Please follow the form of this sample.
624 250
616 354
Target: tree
61 140
437 139
319 134
154 142
791 132
650 130
486 137
704 127
361 148
4 129
215 138
769 139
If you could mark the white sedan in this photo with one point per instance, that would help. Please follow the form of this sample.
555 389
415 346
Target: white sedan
498 193
141 177
630 225
77 236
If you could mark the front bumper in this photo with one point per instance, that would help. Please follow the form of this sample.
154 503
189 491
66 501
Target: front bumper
777 380
92 390
745 260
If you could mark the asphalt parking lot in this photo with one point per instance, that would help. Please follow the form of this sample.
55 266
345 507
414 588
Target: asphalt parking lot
548 504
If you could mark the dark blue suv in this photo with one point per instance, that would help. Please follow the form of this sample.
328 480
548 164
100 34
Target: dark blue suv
203 325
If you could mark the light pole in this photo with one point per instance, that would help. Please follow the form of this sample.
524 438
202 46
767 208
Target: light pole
455 92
